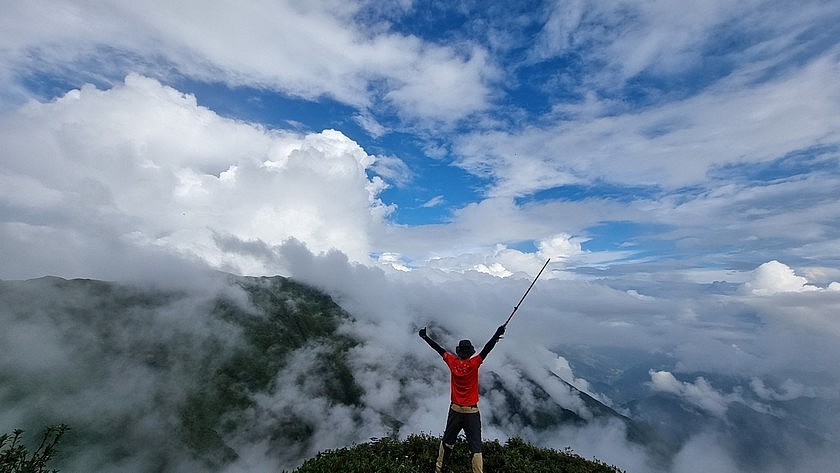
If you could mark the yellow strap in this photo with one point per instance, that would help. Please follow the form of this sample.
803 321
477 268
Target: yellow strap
463 409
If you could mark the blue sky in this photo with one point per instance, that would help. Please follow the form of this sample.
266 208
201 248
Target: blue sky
633 130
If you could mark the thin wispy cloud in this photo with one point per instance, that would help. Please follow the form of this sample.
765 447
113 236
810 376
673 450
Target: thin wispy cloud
307 51
434 201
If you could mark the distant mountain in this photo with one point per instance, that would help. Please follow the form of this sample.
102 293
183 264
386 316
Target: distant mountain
239 371
757 434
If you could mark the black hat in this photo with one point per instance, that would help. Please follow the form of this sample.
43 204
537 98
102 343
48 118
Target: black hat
465 349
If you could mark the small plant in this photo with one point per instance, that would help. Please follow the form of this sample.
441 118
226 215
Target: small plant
417 454
16 458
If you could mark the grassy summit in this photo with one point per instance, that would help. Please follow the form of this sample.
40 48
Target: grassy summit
417 454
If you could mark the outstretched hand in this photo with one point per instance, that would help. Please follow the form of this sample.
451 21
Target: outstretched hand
499 332
423 332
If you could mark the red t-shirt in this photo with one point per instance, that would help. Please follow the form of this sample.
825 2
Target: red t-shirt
464 380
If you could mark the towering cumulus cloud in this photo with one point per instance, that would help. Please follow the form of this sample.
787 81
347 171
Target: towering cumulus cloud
774 277
106 176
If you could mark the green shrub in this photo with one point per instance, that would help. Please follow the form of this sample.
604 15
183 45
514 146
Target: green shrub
418 453
16 458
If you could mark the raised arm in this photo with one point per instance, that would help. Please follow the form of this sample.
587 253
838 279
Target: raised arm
431 342
492 343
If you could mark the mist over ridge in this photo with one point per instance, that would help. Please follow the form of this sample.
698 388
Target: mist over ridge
256 373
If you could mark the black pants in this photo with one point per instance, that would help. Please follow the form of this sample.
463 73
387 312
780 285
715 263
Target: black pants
471 425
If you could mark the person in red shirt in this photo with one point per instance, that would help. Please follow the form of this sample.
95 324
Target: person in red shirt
463 410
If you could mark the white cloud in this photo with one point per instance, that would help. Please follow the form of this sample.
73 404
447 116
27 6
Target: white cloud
444 86
370 124
736 121
790 389
486 256
494 269
774 277
143 166
705 453
309 50
394 260
699 393
434 202
114 176
661 35
769 103
319 49
559 247
632 37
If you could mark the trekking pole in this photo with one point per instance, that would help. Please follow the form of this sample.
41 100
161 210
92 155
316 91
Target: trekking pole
526 293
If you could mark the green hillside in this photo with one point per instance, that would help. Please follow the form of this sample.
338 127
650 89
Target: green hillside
157 379
415 454
418 452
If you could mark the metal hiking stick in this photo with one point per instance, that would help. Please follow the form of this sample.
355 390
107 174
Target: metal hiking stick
526 293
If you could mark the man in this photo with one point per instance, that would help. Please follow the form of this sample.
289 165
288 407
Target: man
463 411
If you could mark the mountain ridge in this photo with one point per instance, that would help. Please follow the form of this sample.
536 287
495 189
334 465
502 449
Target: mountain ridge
215 373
